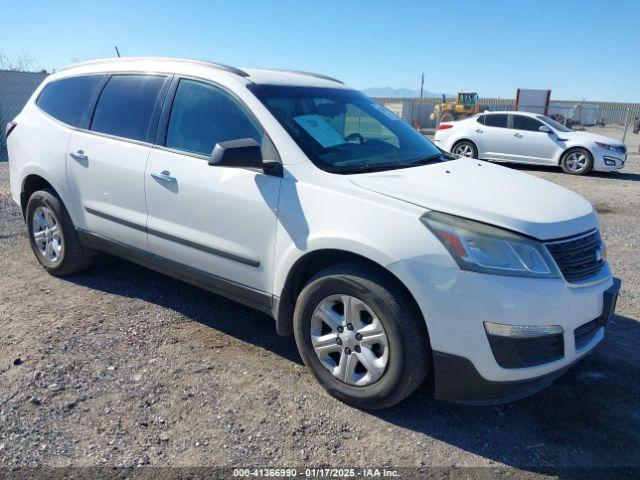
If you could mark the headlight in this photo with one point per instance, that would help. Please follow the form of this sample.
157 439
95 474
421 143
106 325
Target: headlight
483 248
612 148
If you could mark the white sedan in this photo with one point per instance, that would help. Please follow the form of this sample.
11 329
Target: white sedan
530 138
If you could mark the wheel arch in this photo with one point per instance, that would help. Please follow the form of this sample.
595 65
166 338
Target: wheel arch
310 264
31 183
574 147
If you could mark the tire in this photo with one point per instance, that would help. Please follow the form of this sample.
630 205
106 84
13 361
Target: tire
447 117
465 146
400 360
58 247
577 161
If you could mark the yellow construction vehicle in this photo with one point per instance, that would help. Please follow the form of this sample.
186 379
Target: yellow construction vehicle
466 105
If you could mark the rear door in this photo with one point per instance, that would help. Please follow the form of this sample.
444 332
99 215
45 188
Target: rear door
213 223
530 144
493 136
106 163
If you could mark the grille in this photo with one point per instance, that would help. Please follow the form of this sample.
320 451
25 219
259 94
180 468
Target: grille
584 333
579 257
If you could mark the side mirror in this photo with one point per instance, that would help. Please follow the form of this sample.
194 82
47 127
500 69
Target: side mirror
544 128
241 153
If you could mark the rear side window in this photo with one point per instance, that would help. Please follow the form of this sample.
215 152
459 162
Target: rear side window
203 115
70 99
497 120
126 105
520 122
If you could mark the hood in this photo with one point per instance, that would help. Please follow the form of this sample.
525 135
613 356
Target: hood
488 193
594 137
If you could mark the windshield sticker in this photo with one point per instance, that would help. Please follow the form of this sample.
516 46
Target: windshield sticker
320 130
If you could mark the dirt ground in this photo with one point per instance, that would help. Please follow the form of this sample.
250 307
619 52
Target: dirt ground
121 366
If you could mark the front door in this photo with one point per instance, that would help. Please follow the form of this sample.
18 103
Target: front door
207 220
529 144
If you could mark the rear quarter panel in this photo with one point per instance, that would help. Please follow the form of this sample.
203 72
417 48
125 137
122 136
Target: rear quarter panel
38 146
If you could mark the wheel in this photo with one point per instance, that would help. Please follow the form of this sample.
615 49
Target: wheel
53 237
465 148
447 117
361 336
577 161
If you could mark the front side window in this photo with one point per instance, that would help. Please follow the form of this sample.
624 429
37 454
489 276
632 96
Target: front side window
344 131
70 99
558 126
522 122
496 120
203 115
126 105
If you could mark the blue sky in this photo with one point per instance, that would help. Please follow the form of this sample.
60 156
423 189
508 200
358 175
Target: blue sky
579 49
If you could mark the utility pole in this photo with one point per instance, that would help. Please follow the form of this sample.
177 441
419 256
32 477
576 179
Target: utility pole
117 51
422 85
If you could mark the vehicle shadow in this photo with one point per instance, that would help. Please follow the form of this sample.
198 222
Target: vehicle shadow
115 276
626 176
588 418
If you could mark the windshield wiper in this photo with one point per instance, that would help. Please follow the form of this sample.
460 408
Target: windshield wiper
440 157
378 167
368 168
373 167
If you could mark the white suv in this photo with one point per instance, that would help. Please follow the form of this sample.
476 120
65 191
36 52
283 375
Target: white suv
532 138
298 196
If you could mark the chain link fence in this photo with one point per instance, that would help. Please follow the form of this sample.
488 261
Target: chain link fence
15 90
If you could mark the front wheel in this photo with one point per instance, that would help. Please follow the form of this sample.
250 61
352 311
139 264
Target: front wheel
577 162
361 337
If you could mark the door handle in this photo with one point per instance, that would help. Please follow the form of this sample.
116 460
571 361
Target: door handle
164 176
478 130
79 156
519 135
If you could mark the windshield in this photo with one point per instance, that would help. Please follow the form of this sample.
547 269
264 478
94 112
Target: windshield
344 131
551 122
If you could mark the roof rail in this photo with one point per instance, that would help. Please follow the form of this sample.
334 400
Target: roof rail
311 74
219 66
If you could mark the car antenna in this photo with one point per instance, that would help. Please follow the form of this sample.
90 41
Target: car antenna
117 51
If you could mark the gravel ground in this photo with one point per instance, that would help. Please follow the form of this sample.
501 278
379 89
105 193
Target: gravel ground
121 366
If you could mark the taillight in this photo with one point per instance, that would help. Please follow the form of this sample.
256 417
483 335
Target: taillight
444 126
9 128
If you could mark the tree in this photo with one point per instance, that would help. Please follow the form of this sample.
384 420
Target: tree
22 62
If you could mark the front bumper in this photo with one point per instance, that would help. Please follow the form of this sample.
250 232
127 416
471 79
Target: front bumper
458 380
607 160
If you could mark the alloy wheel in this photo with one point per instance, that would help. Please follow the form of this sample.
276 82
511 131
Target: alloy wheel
464 150
47 234
349 340
576 161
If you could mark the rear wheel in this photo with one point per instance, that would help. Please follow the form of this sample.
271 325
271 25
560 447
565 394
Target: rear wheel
360 336
53 238
577 162
465 148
